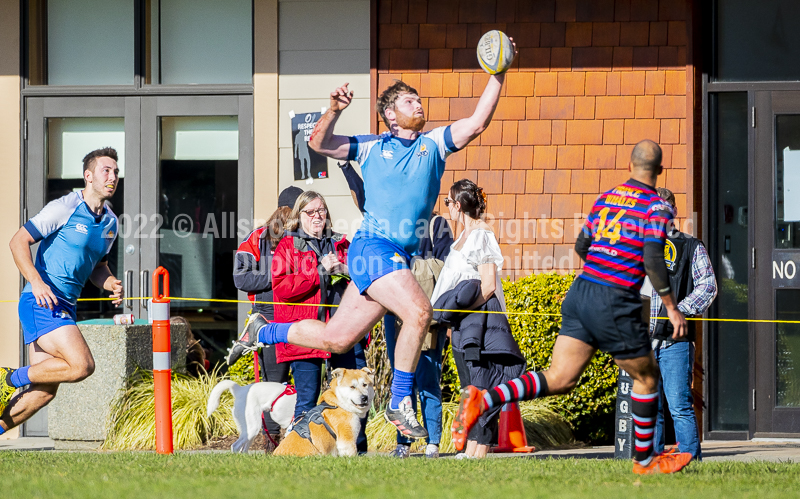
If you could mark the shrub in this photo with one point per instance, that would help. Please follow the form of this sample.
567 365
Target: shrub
590 407
242 370
378 361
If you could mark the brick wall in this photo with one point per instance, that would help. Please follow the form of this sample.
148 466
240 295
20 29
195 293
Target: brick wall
592 78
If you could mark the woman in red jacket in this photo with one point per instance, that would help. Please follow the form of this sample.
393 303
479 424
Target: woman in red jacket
307 261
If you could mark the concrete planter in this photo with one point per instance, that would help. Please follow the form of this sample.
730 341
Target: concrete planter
77 416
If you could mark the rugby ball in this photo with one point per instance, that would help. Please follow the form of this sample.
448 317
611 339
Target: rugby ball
495 52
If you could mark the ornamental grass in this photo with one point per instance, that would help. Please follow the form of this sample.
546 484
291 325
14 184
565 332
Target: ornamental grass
131 423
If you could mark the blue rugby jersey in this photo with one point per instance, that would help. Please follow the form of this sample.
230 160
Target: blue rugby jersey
401 182
622 220
74 240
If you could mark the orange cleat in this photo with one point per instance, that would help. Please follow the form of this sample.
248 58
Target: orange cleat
670 462
470 407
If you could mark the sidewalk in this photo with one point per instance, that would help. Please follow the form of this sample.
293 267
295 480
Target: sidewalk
27 443
713 450
743 451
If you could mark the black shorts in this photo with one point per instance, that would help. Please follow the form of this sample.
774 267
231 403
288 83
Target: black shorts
605 317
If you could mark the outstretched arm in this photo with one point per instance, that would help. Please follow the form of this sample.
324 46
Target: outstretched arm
466 129
322 138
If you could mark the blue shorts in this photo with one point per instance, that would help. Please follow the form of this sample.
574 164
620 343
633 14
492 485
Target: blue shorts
369 258
38 321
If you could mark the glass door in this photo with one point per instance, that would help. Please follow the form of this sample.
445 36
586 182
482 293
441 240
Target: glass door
61 131
776 399
197 198
184 199
727 344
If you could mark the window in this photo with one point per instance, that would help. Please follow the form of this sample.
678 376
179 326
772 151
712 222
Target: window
102 42
199 41
81 43
757 40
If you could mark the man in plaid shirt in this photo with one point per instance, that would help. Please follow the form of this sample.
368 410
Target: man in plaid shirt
692 279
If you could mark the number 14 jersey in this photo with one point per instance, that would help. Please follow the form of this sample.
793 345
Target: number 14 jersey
622 220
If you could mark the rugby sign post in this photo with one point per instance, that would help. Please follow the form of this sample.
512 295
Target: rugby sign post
623 422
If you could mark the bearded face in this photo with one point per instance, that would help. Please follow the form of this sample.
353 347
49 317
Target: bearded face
414 123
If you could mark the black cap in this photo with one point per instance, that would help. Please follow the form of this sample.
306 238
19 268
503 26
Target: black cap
288 196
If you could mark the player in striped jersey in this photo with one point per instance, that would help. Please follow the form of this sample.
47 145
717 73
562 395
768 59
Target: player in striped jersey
622 240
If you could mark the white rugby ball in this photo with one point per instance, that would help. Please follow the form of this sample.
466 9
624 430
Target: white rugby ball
495 52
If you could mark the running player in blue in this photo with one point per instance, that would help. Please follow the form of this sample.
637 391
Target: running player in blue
402 172
75 233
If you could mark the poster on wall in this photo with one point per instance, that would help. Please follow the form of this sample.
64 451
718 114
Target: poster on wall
308 164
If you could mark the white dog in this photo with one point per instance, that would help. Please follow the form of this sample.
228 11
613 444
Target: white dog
250 402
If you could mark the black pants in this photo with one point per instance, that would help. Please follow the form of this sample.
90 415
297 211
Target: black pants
484 374
271 370
482 434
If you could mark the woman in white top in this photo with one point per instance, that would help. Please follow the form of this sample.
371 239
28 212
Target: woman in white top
475 255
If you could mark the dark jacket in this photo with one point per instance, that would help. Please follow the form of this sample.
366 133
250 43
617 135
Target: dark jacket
476 334
680 249
355 183
484 350
252 271
298 277
439 246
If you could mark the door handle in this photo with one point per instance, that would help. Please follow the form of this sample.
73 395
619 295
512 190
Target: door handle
143 287
128 285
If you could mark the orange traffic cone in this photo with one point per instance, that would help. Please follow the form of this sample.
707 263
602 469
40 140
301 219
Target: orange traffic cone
511 435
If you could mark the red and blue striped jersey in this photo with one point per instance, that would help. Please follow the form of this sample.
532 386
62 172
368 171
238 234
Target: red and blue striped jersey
622 220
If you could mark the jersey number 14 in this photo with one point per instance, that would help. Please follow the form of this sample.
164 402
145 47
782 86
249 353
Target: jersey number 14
609 229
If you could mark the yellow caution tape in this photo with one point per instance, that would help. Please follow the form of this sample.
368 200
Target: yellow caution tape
541 314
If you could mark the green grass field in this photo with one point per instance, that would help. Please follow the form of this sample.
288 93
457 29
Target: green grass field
228 476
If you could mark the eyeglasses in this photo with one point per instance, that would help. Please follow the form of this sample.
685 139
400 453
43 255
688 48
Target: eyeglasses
448 202
320 212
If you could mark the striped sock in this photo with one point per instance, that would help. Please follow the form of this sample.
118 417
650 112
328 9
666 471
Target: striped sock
644 409
529 386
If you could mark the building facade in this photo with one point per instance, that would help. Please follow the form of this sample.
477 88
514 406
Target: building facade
199 98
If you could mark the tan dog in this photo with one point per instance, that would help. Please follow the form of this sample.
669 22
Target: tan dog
331 428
